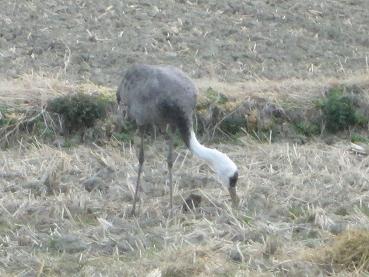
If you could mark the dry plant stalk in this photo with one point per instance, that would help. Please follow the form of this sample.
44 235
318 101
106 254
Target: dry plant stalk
359 149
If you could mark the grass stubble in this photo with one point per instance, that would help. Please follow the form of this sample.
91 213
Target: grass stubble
65 211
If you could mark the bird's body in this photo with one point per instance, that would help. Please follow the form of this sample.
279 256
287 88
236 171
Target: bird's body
162 96
157 88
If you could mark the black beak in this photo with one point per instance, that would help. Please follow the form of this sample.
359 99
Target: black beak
232 189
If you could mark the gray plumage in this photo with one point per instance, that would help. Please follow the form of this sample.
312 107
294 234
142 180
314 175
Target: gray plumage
159 95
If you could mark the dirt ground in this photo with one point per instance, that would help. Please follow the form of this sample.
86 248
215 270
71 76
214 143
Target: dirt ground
64 210
226 40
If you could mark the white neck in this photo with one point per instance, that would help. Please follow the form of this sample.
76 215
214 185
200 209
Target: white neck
218 161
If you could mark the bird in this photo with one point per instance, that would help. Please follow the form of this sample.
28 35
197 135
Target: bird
164 96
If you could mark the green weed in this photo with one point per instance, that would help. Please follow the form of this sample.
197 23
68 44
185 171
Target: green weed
339 110
359 138
308 129
127 133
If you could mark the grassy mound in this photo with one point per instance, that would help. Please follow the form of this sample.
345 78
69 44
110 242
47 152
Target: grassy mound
341 108
349 252
79 110
87 113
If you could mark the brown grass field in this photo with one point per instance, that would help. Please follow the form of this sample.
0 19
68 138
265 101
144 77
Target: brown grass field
64 211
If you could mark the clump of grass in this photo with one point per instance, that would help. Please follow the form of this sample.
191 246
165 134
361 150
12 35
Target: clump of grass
16 123
296 212
206 262
80 110
349 251
5 118
213 114
359 138
210 98
307 128
127 132
42 130
261 136
339 110
216 97
233 124
217 114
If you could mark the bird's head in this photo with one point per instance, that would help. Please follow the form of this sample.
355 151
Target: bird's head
227 172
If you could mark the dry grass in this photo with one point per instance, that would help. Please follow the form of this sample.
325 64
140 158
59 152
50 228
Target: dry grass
289 204
38 88
65 211
32 90
296 91
25 101
348 251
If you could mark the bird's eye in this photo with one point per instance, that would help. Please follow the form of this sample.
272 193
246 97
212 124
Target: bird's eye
233 180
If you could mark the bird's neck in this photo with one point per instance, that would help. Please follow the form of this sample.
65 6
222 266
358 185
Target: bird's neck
217 160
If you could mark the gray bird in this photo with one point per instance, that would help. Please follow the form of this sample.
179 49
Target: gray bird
166 97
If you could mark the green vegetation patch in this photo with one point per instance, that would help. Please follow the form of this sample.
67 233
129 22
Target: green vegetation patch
359 138
233 124
210 97
6 118
340 110
80 110
93 118
307 128
127 132
217 114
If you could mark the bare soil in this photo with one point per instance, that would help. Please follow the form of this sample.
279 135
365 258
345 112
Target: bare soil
226 40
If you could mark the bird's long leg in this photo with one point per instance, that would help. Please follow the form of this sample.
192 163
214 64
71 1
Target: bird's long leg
170 165
141 159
